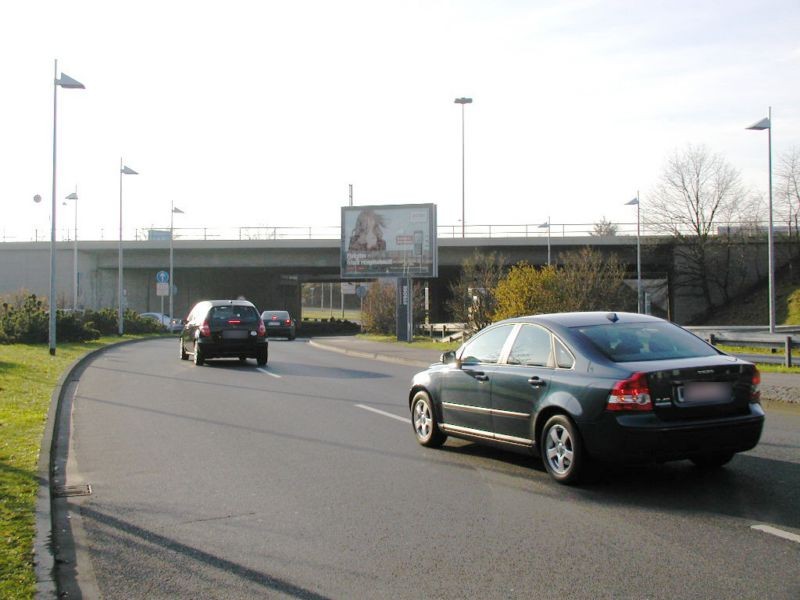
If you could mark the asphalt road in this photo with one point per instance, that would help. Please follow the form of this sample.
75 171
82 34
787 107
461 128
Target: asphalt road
304 480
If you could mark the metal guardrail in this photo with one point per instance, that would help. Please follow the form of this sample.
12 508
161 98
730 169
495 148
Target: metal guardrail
751 337
264 232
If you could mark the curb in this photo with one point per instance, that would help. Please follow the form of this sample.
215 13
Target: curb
372 355
51 556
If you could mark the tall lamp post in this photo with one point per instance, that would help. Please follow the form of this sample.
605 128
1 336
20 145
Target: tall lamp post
766 123
542 226
74 197
462 102
69 83
174 211
635 202
123 170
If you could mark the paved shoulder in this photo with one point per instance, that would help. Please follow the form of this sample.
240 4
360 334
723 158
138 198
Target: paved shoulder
403 353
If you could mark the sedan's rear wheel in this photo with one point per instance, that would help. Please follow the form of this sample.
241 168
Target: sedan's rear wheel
184 354
713 460
423 420
562 449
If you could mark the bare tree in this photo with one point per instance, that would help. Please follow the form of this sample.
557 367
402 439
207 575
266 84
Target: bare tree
787 188
473 301
699 196
604 227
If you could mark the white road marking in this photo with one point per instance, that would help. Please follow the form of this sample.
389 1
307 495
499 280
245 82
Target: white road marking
792 537
381 412
275 375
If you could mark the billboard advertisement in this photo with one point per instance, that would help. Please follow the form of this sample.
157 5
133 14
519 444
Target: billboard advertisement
389 241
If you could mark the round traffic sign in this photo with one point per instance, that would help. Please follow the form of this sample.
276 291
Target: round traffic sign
162 277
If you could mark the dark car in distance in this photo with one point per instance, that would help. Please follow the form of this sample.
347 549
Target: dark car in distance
579 387
279 323
224 329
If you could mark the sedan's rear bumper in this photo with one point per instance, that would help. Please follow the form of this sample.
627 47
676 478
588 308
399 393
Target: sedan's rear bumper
645 437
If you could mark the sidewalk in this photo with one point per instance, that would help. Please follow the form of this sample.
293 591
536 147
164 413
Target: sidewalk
783 387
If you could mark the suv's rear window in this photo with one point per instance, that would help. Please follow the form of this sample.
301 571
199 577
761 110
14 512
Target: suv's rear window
221 315
645 341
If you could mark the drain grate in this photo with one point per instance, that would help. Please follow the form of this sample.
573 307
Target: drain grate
72 490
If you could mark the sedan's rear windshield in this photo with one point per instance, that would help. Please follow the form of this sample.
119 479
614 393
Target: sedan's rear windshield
275 314
644 341
223 315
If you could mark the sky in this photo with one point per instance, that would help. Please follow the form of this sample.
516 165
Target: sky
262 113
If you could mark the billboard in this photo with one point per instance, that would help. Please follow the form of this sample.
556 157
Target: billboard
389 241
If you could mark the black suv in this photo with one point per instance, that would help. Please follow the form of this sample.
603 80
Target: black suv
224 329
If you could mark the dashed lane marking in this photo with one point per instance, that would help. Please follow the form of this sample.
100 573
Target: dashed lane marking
275 375
384 413
793 537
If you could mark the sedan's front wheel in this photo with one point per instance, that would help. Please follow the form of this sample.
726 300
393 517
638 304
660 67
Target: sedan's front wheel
423 420
562 449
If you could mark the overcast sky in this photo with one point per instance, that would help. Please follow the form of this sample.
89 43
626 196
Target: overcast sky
261 113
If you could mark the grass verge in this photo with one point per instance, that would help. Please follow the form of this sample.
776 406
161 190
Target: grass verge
420 341
28 375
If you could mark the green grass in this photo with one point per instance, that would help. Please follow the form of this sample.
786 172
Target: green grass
350 314
28 375
420 341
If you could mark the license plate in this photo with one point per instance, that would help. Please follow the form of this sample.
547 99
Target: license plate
273 324
704 391
235 334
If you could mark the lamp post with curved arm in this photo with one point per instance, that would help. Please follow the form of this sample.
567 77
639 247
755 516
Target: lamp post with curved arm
462 102
74 197
123 170
766 123
635 202
66 82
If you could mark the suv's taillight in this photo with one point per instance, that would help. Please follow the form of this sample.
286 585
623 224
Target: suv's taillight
205 330
262 331
632 393
755 385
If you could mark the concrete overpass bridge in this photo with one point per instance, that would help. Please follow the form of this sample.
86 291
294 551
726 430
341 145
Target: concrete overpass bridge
270 272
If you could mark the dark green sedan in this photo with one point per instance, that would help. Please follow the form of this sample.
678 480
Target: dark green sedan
594 386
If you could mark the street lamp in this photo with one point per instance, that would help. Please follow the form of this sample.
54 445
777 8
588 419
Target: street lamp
635 202
74 197
462 102
69 83
175 211
542 226
766 123
123 170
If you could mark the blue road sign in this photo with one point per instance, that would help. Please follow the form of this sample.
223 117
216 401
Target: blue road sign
162 277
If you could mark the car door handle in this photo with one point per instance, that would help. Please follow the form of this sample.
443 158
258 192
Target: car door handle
479 375
537 381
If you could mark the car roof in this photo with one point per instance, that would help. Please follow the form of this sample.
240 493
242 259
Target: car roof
584 319
229 303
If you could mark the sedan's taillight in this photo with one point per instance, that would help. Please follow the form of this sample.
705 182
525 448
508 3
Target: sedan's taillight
755 386
205 330
631 394
262 331
288 321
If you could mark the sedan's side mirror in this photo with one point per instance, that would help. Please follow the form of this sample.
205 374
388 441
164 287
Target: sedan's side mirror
448 357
